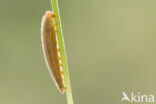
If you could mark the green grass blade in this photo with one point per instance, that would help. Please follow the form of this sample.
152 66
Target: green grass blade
62 52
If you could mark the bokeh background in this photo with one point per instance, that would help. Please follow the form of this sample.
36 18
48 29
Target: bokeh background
110 44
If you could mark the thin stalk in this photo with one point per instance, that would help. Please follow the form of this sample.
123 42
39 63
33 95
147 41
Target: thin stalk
62 51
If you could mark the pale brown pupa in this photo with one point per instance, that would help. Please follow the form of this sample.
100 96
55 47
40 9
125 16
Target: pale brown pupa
51 49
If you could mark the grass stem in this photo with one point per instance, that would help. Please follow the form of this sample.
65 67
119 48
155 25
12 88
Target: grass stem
62 51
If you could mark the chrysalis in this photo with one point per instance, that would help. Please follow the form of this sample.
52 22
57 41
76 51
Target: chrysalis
51 49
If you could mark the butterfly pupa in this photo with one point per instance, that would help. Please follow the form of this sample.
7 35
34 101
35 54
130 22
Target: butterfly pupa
51 49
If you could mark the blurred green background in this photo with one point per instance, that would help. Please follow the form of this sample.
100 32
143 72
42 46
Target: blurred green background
110 44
